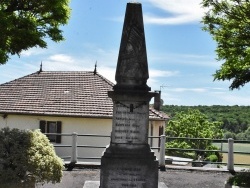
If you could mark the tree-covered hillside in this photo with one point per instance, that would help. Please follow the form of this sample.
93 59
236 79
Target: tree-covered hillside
236 119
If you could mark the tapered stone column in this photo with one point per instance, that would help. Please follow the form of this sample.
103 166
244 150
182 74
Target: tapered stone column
128 161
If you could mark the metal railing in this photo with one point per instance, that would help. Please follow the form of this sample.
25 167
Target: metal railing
74 147
230 162
162 150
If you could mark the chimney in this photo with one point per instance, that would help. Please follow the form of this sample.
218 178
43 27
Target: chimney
157 100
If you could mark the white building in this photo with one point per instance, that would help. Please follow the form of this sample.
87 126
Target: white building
67 102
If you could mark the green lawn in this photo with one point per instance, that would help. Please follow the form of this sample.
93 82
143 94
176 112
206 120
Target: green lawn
238 158
237 147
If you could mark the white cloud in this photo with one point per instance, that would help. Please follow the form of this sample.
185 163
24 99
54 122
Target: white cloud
181 89
105 58
185 59
232 98
32 52
177 12
159 73
64 62
213 90
107 72
106 66
63 58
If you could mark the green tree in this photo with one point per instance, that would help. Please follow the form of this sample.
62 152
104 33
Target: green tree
228 21
192 124
228 134
235 119
241 136
247 133
27 23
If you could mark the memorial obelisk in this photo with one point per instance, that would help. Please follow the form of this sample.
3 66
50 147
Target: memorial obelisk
128 161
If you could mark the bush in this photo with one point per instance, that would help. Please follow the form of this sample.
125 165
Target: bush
180 145
28 156
240 179
218 155
14 146
212 158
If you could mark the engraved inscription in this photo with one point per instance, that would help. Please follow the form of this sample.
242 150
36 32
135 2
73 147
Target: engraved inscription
130 125
127 177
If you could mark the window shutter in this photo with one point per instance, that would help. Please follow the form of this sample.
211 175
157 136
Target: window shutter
42 126
58 130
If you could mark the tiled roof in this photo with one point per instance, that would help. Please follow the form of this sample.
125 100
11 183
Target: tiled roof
77 94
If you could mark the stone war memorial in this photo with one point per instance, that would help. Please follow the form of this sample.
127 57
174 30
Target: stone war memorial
128 162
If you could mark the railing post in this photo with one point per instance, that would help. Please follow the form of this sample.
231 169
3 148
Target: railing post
162 153
74 148
230 163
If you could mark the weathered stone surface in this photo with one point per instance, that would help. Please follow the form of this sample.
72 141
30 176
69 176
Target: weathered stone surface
96 184
130 117
128 162
132 65
124 172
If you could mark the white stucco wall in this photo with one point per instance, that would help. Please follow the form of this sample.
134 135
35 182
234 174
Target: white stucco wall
81 126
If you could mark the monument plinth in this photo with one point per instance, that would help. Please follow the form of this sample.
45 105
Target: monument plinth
128 162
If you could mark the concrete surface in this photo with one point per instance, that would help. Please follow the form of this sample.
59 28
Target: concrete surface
173 178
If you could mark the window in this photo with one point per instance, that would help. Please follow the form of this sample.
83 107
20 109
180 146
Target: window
52 127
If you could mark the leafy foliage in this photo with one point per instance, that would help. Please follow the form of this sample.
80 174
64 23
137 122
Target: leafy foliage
228 22
13 155
180 145
212 158
235 119
27 23
241 178
44 164
192 124
27 156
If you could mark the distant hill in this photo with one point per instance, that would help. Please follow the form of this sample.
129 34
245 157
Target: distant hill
236 119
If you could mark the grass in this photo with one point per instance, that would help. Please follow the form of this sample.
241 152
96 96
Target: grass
238 158
237 147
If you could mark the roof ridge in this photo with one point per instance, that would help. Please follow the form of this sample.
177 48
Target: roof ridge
37 72
105 79
65 71
158 113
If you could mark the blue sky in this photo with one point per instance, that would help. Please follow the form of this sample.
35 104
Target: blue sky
181 57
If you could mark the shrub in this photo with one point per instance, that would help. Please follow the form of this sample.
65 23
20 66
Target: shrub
240 179
180 145
14 146
216 153
212 158
44 164
26 156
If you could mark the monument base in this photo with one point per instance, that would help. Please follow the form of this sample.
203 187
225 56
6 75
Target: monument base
128 168
96 184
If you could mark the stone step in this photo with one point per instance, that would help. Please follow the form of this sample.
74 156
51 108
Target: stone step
96 184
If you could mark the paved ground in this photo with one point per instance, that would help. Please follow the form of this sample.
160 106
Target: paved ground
173 178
